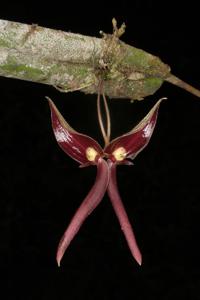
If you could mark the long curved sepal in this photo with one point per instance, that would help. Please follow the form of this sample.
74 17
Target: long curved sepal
72 142
135 140
121 214
88 205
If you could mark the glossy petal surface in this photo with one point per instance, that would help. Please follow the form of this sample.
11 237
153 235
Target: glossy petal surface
121 214
87 151
136 139
88 205
73 143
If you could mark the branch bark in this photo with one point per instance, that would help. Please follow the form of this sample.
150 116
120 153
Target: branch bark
76 62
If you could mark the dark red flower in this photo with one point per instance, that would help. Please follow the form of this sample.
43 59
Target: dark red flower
87 151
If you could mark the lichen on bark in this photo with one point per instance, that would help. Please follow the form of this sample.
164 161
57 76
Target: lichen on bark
77 62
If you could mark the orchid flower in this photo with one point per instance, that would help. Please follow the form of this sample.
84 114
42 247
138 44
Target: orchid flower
86 151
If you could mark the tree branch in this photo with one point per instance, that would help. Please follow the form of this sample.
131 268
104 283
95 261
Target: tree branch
71 61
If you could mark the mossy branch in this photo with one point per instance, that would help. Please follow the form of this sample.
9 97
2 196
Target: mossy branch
71 61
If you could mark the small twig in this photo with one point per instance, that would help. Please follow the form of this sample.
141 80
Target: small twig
182 84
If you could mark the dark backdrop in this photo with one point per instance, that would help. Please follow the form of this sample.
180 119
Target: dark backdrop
41 187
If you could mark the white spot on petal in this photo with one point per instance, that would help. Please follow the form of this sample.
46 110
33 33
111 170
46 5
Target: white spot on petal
62 135
147 131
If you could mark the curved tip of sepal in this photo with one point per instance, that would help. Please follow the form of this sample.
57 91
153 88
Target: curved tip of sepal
138 258
58 259
130 144
58 263
80 147
152 114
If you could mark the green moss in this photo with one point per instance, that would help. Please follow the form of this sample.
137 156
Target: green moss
139 89
140 60
78 71
151 85
23 71
82 71
4 43
137 58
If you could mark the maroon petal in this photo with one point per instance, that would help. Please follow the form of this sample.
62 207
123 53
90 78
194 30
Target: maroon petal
131 143
88 205
121 214
80 147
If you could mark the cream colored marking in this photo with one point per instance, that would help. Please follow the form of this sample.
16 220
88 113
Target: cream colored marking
147 131
91 153
135 76
119 154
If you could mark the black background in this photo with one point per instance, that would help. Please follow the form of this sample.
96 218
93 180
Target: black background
41 187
